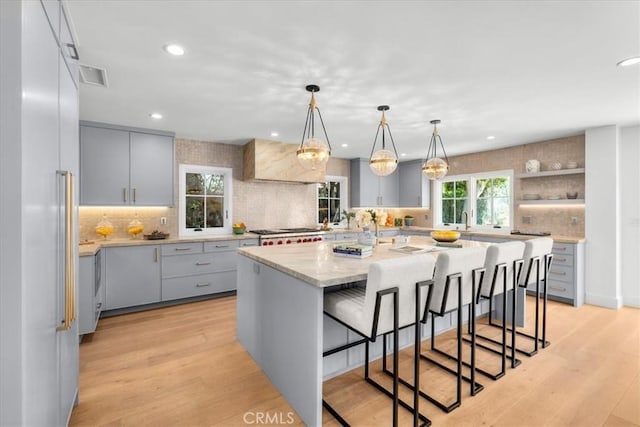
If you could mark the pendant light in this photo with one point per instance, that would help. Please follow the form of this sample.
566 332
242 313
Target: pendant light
313 152
383 162
435 167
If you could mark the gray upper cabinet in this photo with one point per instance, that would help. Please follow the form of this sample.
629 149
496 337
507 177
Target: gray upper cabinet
370 190
414 188
121 166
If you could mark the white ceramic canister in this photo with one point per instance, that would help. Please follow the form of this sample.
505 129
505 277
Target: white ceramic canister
532 166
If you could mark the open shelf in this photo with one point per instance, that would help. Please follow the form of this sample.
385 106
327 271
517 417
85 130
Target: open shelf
575 171
551 202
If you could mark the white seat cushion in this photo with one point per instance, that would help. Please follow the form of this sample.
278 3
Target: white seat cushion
500 253
540 246
352 308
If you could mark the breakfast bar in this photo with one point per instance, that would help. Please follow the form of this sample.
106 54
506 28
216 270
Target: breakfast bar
280 315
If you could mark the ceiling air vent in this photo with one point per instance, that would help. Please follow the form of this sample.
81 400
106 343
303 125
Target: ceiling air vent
93 75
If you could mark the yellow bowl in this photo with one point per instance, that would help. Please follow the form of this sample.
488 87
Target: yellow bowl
445 235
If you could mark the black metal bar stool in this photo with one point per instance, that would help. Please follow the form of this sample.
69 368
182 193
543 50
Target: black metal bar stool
503 266
386 305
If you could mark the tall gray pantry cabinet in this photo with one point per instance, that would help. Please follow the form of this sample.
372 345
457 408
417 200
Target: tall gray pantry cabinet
39 134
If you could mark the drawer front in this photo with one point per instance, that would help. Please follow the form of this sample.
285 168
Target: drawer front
248 243
562 248
221 246
346 236
561 273
562 260
181 248
184 287
189 265
560 289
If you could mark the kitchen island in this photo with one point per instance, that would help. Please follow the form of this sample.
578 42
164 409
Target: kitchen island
280 316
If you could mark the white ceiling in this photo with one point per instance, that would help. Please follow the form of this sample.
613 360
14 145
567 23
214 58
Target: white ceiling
523 71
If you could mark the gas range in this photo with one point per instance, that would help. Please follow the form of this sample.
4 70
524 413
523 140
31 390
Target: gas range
288 236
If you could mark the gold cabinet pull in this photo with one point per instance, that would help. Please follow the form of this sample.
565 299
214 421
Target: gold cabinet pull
202 263
202 285
69 252
134 195
124 194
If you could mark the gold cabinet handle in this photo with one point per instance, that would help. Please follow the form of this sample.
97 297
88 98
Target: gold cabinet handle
155 257
558 288
134 195
222 246
558 273
69 252
202 263
202 285
124 194
560 259
181 249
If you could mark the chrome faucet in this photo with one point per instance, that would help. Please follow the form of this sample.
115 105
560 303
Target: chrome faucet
467 227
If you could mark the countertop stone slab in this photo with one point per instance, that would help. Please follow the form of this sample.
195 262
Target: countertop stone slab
506 234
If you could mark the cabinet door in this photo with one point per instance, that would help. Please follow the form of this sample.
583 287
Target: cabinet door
133 276
151 169
414 188
388 190
86 292
104 166
364 184
68 47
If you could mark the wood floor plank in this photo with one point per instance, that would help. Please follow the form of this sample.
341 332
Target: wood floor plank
182 366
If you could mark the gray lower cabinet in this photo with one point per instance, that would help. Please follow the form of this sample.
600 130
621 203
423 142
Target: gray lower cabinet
566 274
120 166
91 292
195 269
414 188
132 276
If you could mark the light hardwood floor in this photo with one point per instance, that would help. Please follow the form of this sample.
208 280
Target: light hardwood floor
182 366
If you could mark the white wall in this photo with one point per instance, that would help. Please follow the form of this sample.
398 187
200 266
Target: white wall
602 217
630 214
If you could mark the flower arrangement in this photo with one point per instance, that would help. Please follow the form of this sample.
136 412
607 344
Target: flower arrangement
348 216
366 217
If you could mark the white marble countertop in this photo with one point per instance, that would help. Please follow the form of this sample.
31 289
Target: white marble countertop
501 233
90 249
315 263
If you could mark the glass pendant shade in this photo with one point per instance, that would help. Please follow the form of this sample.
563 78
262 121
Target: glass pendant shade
383 162
435 167
313 152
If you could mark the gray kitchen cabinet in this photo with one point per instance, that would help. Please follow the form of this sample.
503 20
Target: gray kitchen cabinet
566 274
195 269
414 188
132 276
91 292
120 166
370 190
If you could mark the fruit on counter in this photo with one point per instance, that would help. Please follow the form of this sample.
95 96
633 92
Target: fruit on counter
136 229
389 222
445 235
105 231
239 225
104 227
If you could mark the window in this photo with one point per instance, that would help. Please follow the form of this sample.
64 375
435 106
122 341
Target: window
205 200
332 200
485 197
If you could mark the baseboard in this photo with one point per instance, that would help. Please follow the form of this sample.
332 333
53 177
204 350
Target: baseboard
603 301
631 301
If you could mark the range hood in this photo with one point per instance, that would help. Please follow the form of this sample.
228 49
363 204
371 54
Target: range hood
266 160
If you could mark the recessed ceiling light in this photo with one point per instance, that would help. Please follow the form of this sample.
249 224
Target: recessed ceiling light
156 116
174 49
491 137
403 154
344 145
275 134
629 61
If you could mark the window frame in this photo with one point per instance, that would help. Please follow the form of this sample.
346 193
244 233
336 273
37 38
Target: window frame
344 199
227 228
472 179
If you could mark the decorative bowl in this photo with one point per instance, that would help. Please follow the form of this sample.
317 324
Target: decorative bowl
572 195
572 165
239 230
555 166
531 196
445 235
